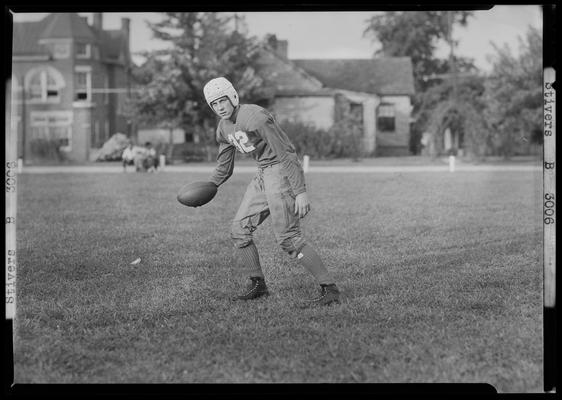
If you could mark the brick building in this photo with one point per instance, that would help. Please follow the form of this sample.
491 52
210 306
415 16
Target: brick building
69 82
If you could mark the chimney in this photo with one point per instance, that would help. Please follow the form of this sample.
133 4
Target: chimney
125 26
98 21
278 46
282 48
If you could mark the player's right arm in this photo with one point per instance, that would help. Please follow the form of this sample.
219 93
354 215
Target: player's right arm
225 161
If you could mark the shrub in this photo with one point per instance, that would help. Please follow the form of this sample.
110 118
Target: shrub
307 139
347 138
47 150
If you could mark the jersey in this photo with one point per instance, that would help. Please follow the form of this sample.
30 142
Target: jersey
253 130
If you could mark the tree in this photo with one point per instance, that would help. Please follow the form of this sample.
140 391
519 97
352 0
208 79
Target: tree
514 94
159 98
461 113
203 46
416 34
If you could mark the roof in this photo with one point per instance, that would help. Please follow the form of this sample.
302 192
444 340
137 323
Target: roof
287 78
28 35
67 25
323 92
381 76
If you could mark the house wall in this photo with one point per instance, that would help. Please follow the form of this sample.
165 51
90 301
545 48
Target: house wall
396 143
92 122
160 135
319 111
121 82
316 110
370 125
27 108
83 126
100 106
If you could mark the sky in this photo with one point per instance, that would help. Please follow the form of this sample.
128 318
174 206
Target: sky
340 34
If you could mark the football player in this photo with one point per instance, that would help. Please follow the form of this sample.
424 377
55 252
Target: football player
277 190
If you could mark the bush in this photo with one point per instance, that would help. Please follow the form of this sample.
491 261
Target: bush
47 150
112 149
307 139
347 139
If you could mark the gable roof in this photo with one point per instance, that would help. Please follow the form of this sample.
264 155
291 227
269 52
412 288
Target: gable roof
67 25
382 76
27 35
287 78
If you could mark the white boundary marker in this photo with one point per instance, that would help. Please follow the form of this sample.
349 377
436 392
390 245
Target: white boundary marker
451 163
305 163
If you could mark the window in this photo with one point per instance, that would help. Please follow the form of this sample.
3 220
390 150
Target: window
60 137
356 109
44 85
83 50
61 50
386 118
83 84
51 129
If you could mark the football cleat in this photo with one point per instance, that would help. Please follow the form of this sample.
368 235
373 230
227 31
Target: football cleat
256 288
328 294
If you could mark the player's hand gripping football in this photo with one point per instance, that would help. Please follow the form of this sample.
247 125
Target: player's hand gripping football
302 205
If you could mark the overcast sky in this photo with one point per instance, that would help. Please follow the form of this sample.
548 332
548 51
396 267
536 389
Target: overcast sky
340 34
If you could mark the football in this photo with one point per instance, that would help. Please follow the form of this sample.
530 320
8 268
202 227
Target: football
196 194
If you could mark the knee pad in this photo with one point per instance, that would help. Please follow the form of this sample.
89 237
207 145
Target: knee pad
292 246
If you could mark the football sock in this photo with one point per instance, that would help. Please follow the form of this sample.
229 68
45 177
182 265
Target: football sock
249 261
313 263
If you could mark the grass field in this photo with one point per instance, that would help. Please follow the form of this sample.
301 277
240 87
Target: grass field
442 275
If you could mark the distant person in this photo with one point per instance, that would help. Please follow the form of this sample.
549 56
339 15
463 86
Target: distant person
150 161
128 156
426 144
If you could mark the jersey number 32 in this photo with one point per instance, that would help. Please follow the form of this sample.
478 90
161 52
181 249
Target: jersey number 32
240 140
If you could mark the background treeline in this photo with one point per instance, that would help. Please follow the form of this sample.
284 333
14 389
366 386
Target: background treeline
495 113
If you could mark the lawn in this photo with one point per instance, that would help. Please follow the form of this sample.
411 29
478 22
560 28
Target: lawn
441 272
